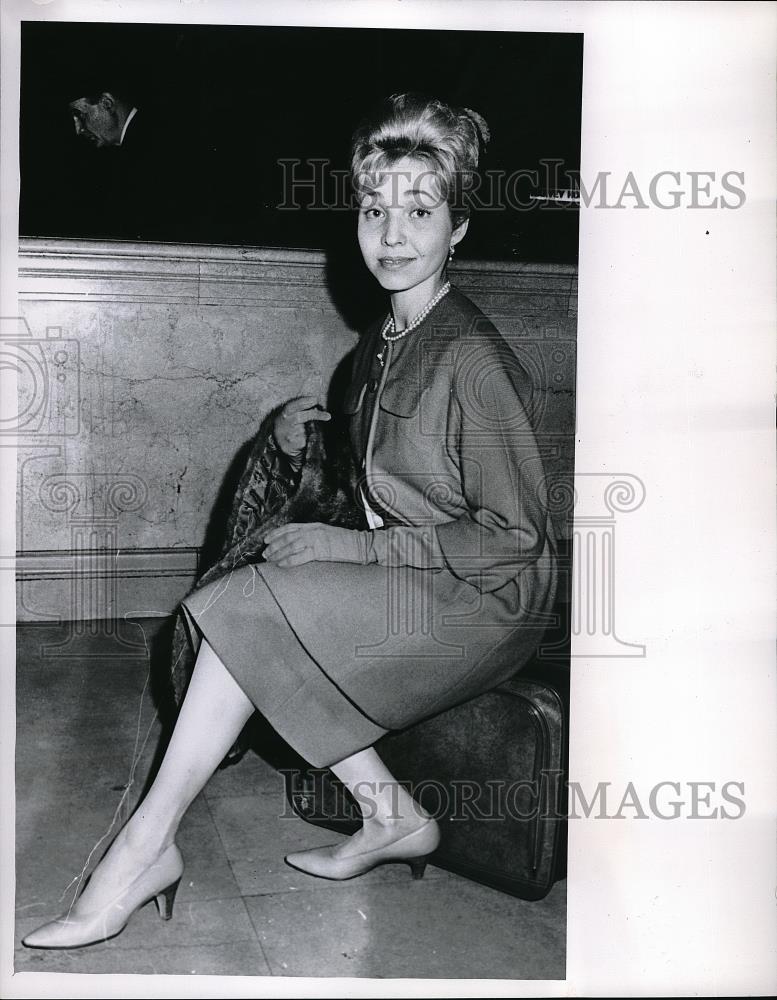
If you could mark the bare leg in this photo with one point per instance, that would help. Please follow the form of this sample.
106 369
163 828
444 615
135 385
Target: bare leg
394 828
213 713
388 810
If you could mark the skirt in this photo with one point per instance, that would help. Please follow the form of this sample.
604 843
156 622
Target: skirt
246 628
335 655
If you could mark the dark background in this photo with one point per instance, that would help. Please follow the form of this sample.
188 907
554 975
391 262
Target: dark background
221 105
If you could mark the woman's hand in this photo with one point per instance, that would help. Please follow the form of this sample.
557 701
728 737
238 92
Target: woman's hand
289 426
296 544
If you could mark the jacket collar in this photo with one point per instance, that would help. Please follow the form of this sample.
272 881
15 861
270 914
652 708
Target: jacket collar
428 349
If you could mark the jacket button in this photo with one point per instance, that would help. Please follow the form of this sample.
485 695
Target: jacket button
373 385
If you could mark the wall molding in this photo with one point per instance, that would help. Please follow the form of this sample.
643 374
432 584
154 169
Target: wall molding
116 271
62 250
95 584
61 564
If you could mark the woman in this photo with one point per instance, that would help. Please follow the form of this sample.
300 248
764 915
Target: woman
341 635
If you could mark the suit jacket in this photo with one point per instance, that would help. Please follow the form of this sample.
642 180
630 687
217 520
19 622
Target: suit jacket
447 448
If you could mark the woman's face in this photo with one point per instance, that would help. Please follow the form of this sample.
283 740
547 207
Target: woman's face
405 227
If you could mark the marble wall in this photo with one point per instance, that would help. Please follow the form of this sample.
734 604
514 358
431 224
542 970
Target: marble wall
143 369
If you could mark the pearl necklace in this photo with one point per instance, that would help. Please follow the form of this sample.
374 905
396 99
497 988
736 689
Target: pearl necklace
414 322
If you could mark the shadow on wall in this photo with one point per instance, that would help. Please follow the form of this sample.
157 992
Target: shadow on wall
356 295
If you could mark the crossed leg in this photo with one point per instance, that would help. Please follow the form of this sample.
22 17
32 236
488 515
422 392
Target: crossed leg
213 713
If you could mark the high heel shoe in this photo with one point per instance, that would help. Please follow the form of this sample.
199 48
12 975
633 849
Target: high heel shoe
76 930
413 849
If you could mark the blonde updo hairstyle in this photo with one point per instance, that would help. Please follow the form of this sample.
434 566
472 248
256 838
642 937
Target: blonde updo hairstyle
448 139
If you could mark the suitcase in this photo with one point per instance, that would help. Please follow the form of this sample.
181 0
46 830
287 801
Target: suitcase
493 771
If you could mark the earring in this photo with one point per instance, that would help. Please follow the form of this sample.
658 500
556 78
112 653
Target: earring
451 252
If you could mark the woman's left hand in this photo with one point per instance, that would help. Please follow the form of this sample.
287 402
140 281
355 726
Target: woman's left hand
296 544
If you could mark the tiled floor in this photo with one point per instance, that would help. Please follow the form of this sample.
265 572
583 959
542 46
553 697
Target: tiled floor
86 727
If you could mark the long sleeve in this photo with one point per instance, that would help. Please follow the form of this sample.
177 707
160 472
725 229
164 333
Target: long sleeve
504 527
502 524
401 545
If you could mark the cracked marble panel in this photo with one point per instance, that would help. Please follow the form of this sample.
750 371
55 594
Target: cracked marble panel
166 398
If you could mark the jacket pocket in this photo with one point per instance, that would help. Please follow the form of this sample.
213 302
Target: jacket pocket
401 397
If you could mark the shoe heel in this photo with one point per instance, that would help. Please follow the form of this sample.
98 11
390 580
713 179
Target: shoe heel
164 900
418 866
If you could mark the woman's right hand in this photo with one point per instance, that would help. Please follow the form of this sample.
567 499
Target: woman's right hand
289 427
